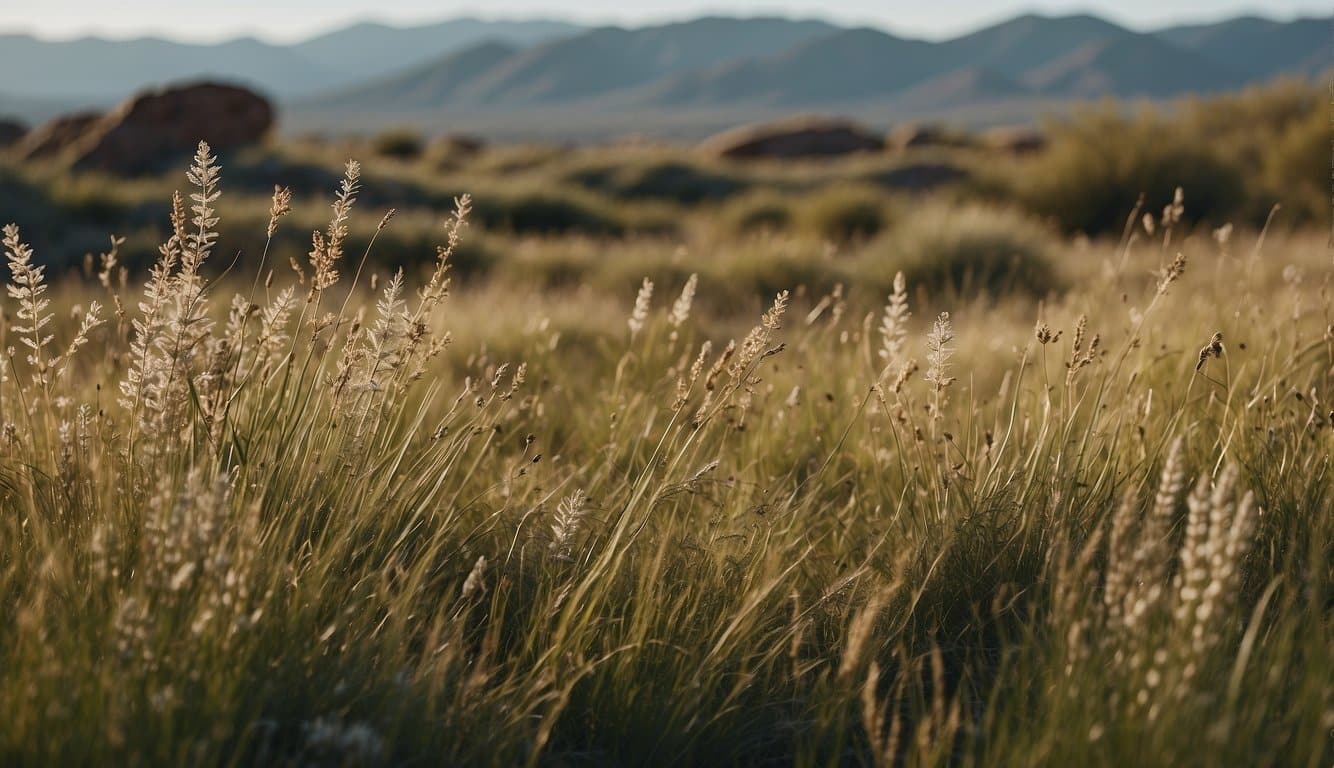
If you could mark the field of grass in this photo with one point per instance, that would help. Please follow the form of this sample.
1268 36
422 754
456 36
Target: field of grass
798 472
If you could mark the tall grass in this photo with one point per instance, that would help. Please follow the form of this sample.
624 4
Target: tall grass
299 526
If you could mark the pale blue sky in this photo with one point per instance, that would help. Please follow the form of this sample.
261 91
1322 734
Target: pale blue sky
282 20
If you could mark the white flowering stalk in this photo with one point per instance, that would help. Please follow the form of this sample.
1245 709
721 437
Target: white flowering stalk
146 367
273 321
894 323
681 307
27 285
91 319
327 249
385 340
939 352
639 315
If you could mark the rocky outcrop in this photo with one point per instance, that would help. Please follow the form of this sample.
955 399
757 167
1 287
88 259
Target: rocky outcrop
804 137
154 128
55 136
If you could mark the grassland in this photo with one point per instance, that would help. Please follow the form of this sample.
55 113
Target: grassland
800 472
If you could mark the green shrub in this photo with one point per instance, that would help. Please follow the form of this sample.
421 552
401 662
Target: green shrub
963 251
1245 124
1099 165
844 213
754 274
1297 169
757 212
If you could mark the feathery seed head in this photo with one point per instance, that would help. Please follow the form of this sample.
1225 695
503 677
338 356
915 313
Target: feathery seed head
681 308
894 322
939 352
280 206
1213 349
639 315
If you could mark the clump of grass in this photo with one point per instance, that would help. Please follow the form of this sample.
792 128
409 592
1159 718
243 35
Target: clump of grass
966 250
399 144
757 212
844 213
681 182
670 179
539 212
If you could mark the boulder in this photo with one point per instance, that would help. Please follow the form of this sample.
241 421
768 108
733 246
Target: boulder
11 131
155 127
1015 141
55 136
797 138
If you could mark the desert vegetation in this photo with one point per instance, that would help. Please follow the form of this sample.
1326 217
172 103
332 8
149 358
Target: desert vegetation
609 457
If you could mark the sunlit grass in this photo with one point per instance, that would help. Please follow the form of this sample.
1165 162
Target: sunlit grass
344 518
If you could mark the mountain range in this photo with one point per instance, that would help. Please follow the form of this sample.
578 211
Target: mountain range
94 69
462 67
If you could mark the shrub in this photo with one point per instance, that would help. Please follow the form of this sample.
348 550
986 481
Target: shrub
539 212
757 212
963 251
1297 169
453 151
754 274
842 214
558 265
400 143
1100 164
669 180
677 181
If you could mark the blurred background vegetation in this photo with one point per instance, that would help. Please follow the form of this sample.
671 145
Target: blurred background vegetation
955 213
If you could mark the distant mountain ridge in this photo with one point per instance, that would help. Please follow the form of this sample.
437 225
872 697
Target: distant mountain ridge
96 70
368 50
711 63
781 63
1260 48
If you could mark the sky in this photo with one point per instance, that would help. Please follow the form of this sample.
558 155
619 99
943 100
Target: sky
287 20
